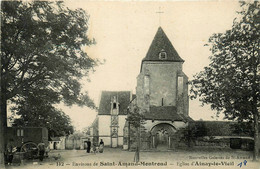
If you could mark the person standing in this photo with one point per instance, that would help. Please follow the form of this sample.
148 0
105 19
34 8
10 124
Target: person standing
88 146
10 151
101 146
41 149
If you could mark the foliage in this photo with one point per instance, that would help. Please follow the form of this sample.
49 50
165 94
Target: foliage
231 82
198 130
42 53
37 111
135 117
243 129
42 49
76 135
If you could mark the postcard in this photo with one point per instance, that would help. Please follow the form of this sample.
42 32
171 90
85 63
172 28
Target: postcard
121 84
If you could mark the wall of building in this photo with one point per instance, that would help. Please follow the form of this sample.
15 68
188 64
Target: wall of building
52 145
120 140
104 122
121 123
163 83
60 145
72 144
162 78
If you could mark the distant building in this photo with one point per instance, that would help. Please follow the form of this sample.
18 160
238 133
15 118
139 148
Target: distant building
57 143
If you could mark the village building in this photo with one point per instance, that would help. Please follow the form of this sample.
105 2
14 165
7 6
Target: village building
57 143
111 118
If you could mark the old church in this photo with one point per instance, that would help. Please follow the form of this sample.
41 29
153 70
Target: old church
161 92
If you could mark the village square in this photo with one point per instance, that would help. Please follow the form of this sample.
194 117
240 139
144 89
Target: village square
147 119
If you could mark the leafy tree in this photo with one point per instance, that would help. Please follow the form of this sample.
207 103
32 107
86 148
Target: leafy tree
34 111
42 47
231 82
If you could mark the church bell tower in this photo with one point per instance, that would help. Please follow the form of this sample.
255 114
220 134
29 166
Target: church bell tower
161 82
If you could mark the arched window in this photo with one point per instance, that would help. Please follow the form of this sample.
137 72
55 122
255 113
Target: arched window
163 55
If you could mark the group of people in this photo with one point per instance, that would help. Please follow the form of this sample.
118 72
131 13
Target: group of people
100 148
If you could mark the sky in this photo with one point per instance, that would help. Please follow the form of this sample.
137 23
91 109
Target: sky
124 31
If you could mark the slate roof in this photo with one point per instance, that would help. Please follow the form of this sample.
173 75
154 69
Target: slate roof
160 42
107 96
165 113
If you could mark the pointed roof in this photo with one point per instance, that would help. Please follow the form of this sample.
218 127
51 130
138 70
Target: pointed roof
162 43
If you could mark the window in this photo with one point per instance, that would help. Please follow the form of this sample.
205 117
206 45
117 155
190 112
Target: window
146 85
180 85
20 132
114 105
162 101
163 55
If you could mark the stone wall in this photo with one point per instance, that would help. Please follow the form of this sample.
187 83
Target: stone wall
163 84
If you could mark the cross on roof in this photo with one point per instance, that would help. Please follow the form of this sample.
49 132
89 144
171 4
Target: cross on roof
159 12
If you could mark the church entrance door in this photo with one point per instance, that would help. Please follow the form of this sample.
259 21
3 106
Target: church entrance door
161 136
162 140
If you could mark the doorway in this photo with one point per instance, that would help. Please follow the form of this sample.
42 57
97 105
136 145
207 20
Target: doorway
161 136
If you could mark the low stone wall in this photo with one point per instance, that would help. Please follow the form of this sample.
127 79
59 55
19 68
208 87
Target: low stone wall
212 143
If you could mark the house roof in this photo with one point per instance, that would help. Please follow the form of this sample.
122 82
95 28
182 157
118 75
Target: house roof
105 101
162 43
165 113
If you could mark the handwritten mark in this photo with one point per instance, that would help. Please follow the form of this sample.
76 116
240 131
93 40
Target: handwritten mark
240 164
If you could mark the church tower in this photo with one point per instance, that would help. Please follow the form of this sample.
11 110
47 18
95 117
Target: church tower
162 95
161 82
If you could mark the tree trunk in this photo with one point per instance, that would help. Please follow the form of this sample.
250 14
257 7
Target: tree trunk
3 126
256 139
128 139
137 153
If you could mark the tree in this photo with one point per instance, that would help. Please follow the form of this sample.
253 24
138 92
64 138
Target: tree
135 118
42 47
36 111
231 81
